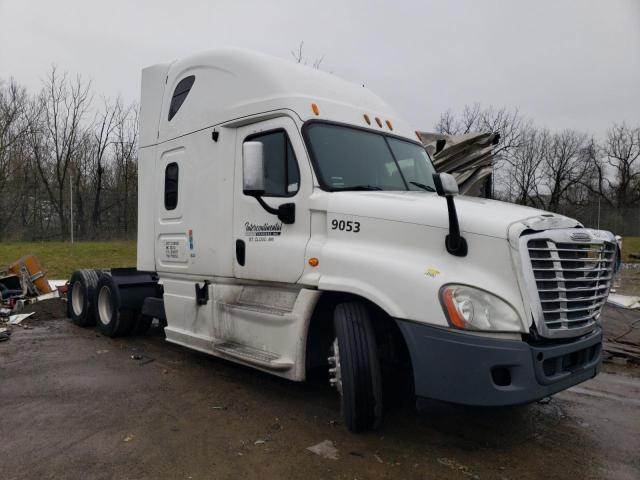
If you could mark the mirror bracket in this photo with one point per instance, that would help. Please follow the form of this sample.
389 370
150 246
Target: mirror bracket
456 244
286 212
447 187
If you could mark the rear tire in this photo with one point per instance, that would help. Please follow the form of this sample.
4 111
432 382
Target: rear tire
359 367
111 321
81 297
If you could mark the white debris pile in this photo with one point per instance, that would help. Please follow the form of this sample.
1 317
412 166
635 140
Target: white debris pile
624 301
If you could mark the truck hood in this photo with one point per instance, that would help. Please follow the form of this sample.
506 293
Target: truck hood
475 215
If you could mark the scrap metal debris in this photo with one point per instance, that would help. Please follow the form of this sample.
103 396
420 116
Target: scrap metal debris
624 301
24 283
17 319
325 449
467 157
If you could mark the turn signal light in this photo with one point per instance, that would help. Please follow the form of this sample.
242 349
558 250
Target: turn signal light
314 262
452 311
315 109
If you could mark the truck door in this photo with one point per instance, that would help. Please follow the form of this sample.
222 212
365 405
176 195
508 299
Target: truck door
266 248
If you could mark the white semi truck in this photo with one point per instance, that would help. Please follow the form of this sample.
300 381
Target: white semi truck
288 220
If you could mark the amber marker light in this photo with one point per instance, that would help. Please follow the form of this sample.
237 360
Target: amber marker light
418 135
314 262
452 311
379 122
367 119
389 125
314 107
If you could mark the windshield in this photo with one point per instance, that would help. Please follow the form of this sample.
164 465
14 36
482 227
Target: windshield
353 159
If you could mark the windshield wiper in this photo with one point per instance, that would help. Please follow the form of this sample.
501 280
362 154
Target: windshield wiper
423 186
356 187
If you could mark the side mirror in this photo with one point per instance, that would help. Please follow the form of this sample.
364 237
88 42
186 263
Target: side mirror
447 187
445 184
253 181
252 168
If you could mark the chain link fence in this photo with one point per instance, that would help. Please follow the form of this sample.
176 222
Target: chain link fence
619 221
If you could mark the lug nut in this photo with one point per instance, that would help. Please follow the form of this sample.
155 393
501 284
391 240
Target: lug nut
333 370
331 359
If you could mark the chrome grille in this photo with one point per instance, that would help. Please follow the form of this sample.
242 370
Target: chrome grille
572 279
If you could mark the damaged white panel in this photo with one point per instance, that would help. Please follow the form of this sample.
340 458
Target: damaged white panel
624 301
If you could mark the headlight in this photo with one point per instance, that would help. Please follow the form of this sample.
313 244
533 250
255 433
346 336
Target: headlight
470 308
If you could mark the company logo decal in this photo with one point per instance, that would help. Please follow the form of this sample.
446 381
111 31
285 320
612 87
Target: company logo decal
262 232
580 237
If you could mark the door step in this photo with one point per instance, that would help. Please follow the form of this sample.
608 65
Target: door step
253 356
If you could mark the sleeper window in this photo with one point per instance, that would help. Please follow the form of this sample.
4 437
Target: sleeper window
171 186
282 177
180 94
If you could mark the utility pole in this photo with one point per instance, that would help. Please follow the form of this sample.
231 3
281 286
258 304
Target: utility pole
71 203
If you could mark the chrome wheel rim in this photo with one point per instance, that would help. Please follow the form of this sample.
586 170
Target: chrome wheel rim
335 372
77 298
104 305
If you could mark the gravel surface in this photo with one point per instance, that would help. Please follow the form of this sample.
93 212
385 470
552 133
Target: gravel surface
79 405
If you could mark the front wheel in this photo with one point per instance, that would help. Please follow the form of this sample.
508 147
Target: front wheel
356 368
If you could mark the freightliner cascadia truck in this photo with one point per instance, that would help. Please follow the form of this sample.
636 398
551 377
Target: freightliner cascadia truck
289 220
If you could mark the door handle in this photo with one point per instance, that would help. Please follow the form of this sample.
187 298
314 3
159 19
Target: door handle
240 252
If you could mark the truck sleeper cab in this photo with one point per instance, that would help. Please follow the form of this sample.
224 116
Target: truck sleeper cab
290 220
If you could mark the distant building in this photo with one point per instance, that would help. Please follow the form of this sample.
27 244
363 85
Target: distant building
467 157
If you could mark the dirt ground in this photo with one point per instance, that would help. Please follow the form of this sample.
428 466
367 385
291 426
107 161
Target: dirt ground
628 282
76 404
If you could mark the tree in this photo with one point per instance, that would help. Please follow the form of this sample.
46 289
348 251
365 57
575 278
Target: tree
476 119
126 162
299 57
564 167
57 135
104 127
621 150
524 164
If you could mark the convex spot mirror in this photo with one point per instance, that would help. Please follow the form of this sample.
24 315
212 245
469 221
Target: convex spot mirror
253 168
446 184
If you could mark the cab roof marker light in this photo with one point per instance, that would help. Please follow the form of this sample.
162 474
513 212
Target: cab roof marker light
314 107
389 126
367 119
379 122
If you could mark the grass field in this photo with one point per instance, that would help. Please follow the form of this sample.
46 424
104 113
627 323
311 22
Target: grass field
629 245
59 259
62 258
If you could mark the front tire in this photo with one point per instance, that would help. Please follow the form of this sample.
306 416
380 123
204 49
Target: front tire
356 361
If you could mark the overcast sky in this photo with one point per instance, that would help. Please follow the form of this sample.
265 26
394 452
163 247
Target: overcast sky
564 63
